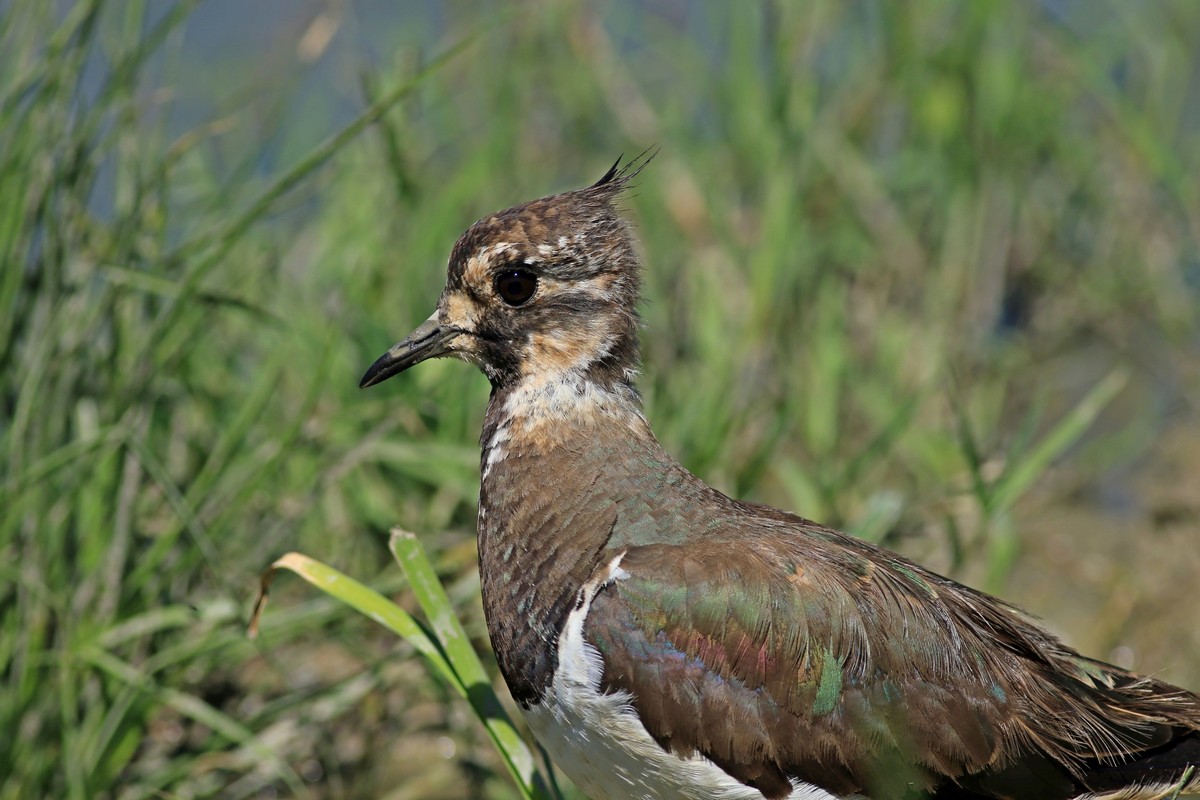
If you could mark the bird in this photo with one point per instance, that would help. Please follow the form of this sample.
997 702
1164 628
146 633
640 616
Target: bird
664 640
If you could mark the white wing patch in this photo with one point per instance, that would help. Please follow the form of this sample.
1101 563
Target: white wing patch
598 741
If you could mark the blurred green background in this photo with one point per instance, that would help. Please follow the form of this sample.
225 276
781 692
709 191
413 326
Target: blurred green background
929 271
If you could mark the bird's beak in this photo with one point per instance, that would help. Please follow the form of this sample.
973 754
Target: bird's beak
430 340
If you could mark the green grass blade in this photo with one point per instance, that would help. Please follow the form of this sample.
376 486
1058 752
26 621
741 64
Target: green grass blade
363 599
446 647
1184 779
232 231
437 607
1019 477
194 708
449 631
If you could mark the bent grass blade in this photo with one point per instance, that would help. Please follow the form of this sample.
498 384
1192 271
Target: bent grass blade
445 645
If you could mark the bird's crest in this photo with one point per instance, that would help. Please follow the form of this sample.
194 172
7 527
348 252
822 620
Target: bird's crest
618 178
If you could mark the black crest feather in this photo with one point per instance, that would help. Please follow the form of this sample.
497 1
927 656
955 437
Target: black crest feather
617 178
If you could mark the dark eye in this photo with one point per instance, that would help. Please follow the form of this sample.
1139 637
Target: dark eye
515 286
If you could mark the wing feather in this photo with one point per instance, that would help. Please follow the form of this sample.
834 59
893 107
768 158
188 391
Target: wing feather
756 652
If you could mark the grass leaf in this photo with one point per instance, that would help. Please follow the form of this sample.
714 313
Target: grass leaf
446 647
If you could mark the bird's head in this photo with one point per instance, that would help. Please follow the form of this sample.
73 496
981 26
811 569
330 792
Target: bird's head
541 291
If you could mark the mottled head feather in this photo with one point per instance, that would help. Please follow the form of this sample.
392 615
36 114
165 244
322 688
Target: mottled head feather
583 316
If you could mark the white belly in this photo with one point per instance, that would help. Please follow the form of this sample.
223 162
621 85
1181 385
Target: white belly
597 740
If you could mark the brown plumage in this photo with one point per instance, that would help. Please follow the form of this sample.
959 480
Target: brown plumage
790 657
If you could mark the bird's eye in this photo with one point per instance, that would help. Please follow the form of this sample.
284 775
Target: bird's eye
515 286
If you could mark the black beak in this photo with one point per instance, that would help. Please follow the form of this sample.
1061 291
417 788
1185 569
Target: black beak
430 340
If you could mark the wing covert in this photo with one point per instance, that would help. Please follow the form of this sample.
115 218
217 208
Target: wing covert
756 652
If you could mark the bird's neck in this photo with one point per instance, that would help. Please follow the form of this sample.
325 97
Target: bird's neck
562 403
557 456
